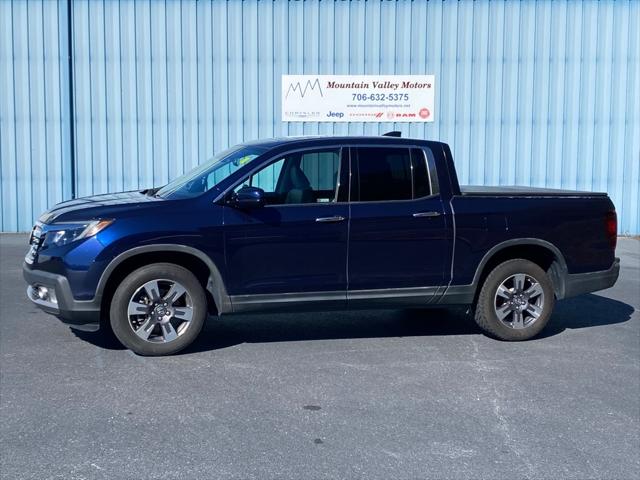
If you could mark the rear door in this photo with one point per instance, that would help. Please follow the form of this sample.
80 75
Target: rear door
398 236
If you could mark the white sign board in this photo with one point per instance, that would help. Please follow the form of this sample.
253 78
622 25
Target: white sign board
358 98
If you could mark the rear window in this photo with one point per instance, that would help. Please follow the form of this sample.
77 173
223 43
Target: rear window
384 174
421 185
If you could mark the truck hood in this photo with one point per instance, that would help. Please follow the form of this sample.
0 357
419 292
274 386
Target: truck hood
105 205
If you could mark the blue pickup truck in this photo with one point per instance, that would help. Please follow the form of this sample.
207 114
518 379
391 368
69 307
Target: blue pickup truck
317 223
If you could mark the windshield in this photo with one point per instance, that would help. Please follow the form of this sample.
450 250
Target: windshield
209 174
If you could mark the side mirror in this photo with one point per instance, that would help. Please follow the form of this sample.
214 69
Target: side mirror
248 197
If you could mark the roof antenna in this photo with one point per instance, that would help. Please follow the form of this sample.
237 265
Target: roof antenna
395 133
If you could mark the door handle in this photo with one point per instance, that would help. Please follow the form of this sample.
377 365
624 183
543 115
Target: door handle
336 218
427 214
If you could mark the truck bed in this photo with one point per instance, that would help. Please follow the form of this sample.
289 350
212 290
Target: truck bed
515 191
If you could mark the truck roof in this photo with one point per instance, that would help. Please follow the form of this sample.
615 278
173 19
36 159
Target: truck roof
312 140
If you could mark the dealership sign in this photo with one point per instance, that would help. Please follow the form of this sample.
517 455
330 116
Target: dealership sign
358 98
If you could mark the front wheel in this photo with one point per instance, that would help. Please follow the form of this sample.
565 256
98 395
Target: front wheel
158 309
516 301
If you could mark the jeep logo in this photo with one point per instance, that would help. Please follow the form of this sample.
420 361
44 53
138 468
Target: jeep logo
335 114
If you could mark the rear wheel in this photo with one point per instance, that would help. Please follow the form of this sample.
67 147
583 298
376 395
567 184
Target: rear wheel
516 301
158 309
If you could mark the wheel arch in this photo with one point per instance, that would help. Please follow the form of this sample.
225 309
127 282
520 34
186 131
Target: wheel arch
541 252
195 260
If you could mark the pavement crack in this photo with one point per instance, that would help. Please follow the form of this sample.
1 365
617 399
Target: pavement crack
503 426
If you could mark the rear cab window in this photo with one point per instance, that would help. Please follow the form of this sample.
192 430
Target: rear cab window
390 173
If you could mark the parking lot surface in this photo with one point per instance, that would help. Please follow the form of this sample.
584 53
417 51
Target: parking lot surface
384 394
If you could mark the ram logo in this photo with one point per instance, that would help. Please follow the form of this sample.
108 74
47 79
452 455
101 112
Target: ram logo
302 91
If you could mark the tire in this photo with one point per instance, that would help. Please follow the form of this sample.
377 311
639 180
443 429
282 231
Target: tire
170 321
513 313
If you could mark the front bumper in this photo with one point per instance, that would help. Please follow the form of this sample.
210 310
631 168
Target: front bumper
80 314
580 283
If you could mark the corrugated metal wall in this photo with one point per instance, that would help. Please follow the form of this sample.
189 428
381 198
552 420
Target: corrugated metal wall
534 93
34 111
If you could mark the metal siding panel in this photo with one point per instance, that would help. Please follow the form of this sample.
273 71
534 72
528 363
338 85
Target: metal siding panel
434 39
100 160
220 76
82 99
25 183
129 96
446 81
572 95
250 71
632 138
159 93
478 85
540 93
266 81
51 78
205 102
620 104
464 92
604 78
357 51
311 52
281 65
388 53
526 99
175 139
589 39
63 95
557 73
37 113
145 89
8 156
375 63
113 96
340 53
417 60
326 46
296 39
236 82
493 95
631 154
190 82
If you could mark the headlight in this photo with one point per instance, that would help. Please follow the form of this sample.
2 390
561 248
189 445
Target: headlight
66 233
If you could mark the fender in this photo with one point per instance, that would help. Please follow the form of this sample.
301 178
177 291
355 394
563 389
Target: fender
215 284
520 242
465 294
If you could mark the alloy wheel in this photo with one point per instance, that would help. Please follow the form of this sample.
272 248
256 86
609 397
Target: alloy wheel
519 301
160 311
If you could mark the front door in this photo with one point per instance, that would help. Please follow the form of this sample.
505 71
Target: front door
293 249
398 245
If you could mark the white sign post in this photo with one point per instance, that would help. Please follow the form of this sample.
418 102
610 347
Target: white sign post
358 98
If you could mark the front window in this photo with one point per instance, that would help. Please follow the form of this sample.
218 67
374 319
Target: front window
206 176
301 177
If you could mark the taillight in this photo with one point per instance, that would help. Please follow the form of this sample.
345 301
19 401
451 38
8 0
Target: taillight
612 228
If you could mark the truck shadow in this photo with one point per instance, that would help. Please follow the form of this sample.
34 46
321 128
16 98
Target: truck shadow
576 313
